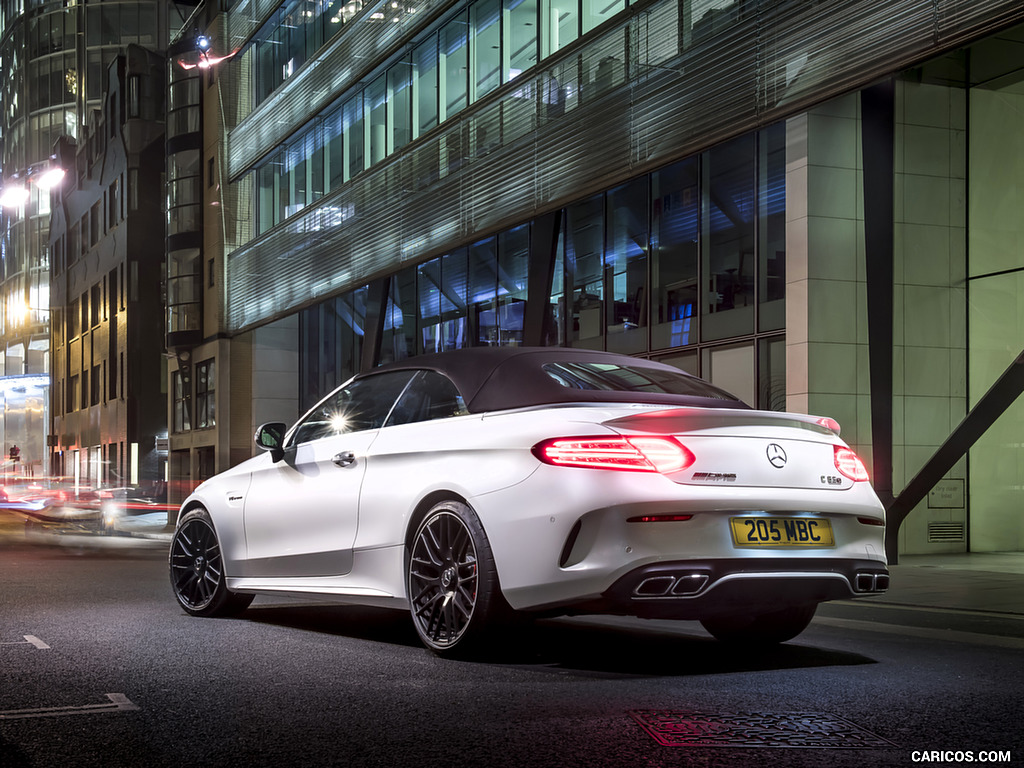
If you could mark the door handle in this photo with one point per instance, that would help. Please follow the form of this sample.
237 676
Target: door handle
344 459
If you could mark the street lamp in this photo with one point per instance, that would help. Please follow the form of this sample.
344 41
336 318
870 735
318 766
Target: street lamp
205 60
14 194
45 175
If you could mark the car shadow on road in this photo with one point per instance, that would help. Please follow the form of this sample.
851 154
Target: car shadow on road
358 622
645 650
592 646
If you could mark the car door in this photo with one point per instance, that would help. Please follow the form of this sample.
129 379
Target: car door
301 512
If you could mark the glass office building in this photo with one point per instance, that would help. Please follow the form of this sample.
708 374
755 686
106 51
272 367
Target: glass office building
54 56
688 180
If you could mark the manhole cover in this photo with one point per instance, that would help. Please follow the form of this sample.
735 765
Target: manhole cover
676 728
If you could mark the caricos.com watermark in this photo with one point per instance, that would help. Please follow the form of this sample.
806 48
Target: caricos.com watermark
940 756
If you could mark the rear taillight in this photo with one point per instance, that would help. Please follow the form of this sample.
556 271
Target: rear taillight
636 454
850 465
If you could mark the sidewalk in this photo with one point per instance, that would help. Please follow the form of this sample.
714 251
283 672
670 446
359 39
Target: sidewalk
991 582
975 581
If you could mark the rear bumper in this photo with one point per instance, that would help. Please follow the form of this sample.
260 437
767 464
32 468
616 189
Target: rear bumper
692 589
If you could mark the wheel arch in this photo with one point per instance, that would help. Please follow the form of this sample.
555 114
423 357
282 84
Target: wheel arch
188 507
423 507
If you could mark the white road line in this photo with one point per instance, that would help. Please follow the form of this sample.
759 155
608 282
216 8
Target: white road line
30 640
118 703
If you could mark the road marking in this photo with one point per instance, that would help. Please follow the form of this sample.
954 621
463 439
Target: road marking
118 703
30 640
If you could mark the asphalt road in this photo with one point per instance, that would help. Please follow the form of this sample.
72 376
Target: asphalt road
99 667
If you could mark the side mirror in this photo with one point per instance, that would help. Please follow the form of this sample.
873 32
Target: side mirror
270 437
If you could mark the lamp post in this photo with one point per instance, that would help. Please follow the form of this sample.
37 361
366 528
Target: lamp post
16 190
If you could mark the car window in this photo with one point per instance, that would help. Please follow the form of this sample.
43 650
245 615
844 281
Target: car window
429 396
361 404
623 378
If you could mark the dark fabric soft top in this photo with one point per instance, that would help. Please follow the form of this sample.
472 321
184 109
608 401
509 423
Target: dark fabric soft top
502 378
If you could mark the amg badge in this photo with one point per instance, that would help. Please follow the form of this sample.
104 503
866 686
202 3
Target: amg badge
714 477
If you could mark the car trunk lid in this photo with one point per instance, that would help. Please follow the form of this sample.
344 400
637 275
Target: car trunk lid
746 448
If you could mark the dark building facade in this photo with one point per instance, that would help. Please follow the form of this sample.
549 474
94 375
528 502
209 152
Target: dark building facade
106 237
791 199
54 56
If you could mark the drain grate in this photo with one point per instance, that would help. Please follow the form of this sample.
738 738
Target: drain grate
679 728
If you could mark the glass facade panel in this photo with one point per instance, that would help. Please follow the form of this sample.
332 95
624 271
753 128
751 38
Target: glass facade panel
772 228
399 339
424 62
520 39
596 12
555 319
375 104
428 289
292 34
266 195
584 269
454 61
674 254
441 286
484 18
771 375
399 105
727 239
355 162
626 267
482 291
454 316
513 269
334 139
331 345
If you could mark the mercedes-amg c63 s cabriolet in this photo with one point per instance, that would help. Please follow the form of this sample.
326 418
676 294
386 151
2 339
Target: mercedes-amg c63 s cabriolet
480 485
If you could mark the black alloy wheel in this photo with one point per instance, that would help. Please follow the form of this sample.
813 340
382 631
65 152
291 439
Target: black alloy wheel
452 582
197 569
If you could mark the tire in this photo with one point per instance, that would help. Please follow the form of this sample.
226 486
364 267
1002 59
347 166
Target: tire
452 582
196 568
761 628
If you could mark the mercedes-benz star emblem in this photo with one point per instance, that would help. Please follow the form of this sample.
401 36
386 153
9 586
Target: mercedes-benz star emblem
776 456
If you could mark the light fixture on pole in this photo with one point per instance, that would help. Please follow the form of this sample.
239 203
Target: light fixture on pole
45 175
204 60
14 194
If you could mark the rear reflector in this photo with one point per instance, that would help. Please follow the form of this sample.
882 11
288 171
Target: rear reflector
636 454
850 465
660 519
870 521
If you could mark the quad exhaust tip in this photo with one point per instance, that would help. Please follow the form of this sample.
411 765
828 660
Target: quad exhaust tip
672 585
871 582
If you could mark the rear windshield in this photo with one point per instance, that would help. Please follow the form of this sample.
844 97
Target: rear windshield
628 378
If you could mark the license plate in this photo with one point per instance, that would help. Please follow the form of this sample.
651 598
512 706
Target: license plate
781 532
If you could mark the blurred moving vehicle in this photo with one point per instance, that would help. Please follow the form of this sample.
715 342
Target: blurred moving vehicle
474 486
131 509
56 505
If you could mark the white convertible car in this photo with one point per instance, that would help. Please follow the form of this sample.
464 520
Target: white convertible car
476 486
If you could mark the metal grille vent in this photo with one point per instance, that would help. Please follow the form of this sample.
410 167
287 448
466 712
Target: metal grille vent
943 532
